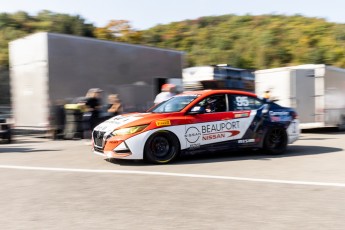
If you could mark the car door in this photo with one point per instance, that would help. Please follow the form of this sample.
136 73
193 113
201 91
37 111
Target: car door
215 125
227 117
247 111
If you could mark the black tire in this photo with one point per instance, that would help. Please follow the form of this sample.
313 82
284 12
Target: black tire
161 148
275 141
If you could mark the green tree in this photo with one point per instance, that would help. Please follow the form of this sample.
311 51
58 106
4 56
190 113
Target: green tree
118 30
20 24
263 41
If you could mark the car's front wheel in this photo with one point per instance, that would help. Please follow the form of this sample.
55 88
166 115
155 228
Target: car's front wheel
162 147
275 141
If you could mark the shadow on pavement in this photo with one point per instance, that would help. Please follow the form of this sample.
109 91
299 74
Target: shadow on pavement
25 150
213 157
292 151
326 130
25 140
315 138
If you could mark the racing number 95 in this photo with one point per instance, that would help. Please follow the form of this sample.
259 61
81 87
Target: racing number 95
242 101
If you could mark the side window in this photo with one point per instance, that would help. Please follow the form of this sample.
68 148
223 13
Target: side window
213 104
243 102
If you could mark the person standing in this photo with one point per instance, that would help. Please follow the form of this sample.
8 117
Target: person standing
92 108
167 91
267 94
57 119
114 106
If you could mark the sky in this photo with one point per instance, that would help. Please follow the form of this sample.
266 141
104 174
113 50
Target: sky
144 14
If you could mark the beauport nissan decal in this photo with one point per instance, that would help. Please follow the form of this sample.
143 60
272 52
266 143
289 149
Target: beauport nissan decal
229 125
212 132
220 131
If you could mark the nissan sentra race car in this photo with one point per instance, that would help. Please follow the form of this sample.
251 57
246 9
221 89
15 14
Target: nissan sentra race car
197 121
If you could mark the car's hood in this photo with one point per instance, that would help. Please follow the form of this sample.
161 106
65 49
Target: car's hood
128 120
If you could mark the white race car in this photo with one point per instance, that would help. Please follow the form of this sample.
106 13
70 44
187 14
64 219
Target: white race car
198 121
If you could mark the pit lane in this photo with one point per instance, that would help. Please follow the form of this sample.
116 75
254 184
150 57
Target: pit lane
50 180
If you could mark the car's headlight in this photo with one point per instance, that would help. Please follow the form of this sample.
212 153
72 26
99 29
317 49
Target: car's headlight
130 130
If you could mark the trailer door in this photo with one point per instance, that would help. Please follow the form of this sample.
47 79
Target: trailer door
303 94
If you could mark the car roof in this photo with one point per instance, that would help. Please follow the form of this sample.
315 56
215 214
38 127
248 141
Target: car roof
218 91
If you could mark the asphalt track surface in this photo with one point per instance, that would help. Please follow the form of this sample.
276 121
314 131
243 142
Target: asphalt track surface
49 184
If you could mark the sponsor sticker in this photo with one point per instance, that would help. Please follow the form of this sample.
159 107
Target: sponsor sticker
280 116
220 135
212 132
163 123
192 134
194 146
220 127
110 125
244 141
115 141
204 133
277 113
239 115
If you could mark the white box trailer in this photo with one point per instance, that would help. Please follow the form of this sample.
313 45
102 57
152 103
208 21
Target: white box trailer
46 67
316 91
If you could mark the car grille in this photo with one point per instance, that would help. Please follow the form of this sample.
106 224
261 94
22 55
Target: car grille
98 139
100 150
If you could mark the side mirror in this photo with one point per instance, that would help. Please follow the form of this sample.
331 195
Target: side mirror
197 110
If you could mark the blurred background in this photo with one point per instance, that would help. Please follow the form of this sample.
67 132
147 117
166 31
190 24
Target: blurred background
57 51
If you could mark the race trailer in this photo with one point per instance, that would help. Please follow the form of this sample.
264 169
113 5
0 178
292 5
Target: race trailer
46 68
316 91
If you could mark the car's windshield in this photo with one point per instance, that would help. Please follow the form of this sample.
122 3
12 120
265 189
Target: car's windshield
174 104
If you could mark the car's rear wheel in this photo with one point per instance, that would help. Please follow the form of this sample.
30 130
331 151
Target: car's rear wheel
162 147
275 141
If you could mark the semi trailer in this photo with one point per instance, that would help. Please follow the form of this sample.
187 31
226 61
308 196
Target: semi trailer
316 91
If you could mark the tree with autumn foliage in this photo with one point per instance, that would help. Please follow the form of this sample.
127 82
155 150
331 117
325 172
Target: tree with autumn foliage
118 30
257 42
20 24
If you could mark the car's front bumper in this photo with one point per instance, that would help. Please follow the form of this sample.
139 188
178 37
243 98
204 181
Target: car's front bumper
121 151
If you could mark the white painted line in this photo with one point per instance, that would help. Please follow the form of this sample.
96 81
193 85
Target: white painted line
174 175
